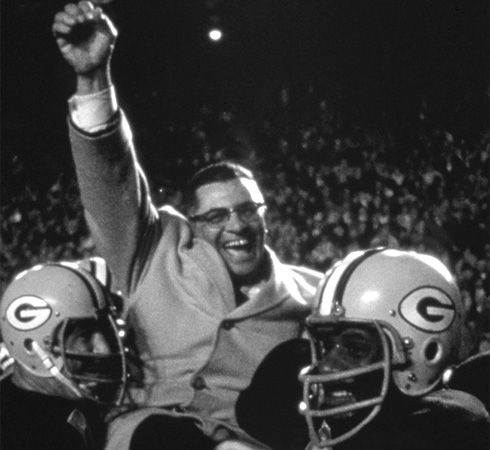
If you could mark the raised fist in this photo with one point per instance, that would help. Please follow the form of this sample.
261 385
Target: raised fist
85 36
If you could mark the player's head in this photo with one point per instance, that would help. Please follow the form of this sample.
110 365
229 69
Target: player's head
384 319
59 324
227 209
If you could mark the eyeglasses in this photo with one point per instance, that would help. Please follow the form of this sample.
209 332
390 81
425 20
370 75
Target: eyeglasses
217 217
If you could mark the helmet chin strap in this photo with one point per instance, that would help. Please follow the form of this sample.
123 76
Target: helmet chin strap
48 363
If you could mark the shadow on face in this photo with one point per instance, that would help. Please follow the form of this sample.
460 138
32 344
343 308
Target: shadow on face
341 349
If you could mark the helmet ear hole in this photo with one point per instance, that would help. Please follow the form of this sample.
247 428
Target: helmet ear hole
432 351
28 346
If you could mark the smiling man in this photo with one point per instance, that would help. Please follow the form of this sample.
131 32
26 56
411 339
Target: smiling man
344 349
206 299
227 210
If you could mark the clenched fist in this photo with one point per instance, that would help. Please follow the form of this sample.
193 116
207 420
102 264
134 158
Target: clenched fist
85 37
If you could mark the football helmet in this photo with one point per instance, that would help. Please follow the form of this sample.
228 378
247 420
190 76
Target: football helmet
410 309
59 324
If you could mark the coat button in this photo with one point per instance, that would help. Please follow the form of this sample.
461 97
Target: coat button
198 383
227 324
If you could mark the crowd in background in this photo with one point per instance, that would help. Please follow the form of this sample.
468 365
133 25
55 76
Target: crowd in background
332 186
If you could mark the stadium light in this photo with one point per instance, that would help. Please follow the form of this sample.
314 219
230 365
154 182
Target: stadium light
215 34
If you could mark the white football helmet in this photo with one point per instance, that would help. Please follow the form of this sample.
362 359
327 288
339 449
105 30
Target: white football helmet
59 324
411 304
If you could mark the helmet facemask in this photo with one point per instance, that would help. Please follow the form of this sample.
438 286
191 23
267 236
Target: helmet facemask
93 357
345 386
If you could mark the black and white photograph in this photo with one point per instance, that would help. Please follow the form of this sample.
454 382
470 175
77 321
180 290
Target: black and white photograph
245 225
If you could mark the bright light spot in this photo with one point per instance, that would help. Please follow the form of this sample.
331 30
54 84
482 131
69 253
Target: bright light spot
392 252
215 35
437 265
370 296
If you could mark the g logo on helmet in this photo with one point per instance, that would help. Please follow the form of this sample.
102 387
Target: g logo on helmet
428 309
28 312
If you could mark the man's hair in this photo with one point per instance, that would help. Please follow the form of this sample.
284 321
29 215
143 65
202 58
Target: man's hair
214 173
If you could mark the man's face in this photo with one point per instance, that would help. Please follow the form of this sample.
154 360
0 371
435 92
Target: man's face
239 240
91 355
86 337
346 348
87 341
348 380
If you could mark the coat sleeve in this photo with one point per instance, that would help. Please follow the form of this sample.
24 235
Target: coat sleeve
115 196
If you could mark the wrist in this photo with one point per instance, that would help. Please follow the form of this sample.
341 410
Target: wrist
93 82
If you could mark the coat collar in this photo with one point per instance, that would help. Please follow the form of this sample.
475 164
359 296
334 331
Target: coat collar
283 284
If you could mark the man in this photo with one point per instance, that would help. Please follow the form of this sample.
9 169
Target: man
206 299
59 326
387 326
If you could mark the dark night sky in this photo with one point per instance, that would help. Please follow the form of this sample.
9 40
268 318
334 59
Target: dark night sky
379 52
369 48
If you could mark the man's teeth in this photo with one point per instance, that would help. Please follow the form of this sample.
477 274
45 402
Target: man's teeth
340 394
239 243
